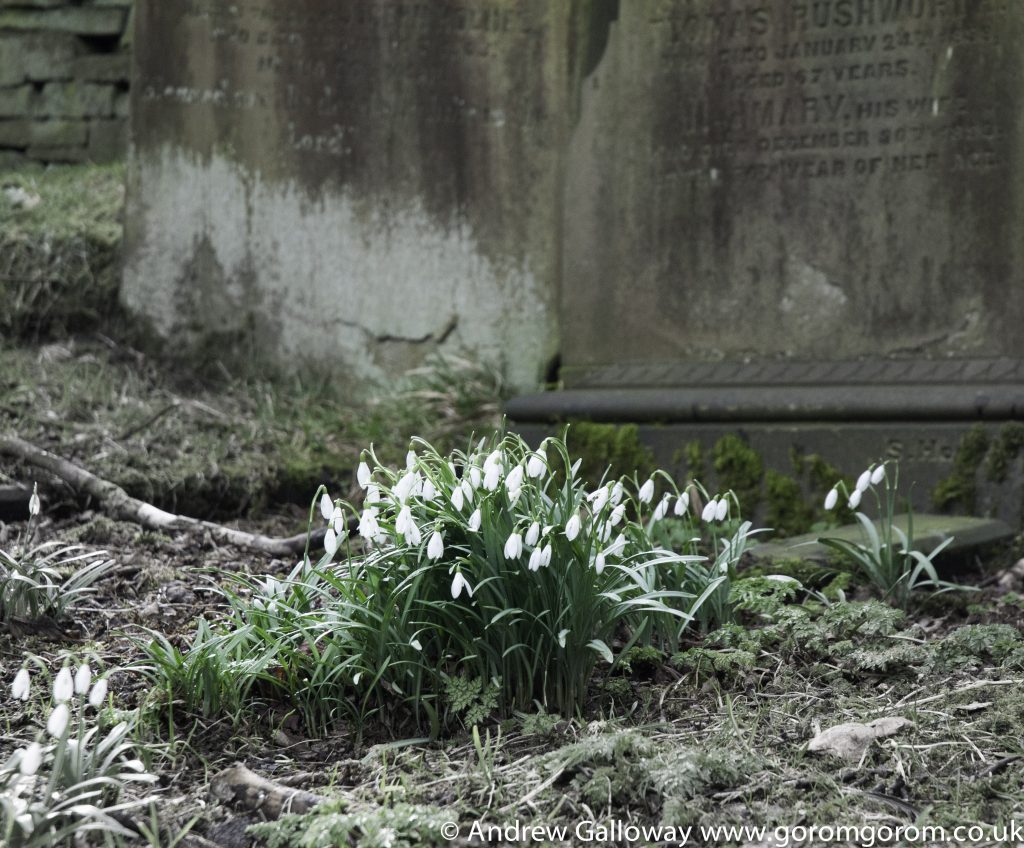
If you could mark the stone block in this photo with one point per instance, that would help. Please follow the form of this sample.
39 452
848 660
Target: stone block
25 133
108 139
122 104
80 20
62 155
16 133
15 102
103 67
36 56
75 100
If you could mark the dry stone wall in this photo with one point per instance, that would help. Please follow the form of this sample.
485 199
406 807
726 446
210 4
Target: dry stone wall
64 78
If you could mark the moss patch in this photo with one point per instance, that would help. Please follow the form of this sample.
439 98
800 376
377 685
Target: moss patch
960 489
739 467
609 449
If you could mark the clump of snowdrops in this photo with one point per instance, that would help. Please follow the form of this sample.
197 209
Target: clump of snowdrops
69 780
493 565
886 558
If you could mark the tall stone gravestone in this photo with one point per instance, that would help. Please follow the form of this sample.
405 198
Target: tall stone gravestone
355 182
799 218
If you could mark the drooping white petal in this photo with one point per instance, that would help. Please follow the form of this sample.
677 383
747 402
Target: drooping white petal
63 686
561 637
429 491
368 527
682 504
864 480
854 501
617 492
661 510
710 510
617 514
533 534
831 499
410 460
514 546
58 720
514 481
536 559
646 492
572 527
459 583
598 499
617 547
363 475
467 491
722 510
416 645
435 547
412 533
458 499
474 477
546 555
330 542
326 506
404 487
599 562
535 466
492 477
34 504
31 758
20 687
372 494
474 520
83 677
98 694
878 475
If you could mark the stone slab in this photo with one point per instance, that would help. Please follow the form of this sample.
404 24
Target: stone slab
81 20
103 67
25 133
36 56
15 102
62 154
75 100
108 139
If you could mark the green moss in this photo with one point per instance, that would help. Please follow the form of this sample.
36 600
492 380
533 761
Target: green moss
693 454
788 513
1004 451
960 489
739 467
641 661
613 449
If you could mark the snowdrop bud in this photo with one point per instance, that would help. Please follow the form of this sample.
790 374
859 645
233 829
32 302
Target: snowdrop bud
561 637
98 694
459 583
533 534
536 559
19 690
326 506
494 459
404 487
535 466
572 527
710 510
722 510
58 720
363 475
330 542
30 759
474 520
435 547
878 475
372 494
467 490
546 555
661 509
410 460
831 499
338 519
34 504
429 491
492 476
604 532
682 504
864 480
617 492
646 492
854 501
599 562
368 527
514 546
416 645
514 481
598 499
63 686
617 514
83 677
458 499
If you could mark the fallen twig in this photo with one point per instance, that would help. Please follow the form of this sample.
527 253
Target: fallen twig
240 786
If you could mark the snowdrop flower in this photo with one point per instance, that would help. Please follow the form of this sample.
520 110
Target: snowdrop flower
404 520
363 475
646 492
710 510
410 460
474 477
429 491
514 481
474 520
63 686
83 677
337 518
604 531
878 475
682 504
533 534
598 499
372 494
536 559
416 645
19 690
368 526
831 499
98 694
34 504
435 547
617 492
535 466
58 720
617 514
661 510
458 499
854 501
404 487
561 637
599 562
722 511
30 759
514 546
330 542
467 490
864 480
545 555
572 527
617 547
326 506
492 476
412 533
459 583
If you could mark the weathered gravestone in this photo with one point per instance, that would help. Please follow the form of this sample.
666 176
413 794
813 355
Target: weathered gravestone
801 219
354 182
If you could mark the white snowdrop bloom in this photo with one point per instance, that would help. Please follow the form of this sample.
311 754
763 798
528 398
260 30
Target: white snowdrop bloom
492 477
410 460
34 504
832 498
617 514
617 492
435 547
372 494
83 677
536 559
535 466
561 637
878 475
20 687
474 520
682 504
63 686
356 678
474 477
459 583
572 527
404 520
494 458
514 546
598 499
722 510
710 510
599 562
617 547
646 492
330 542
338 519
368 526
467 490
604 531
864 480
326 506
854 501
31 758
514 481
404 487
98 694
545 555
363 475
533 534
458 499
429 491
412 533
416 645
661 510
57 723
